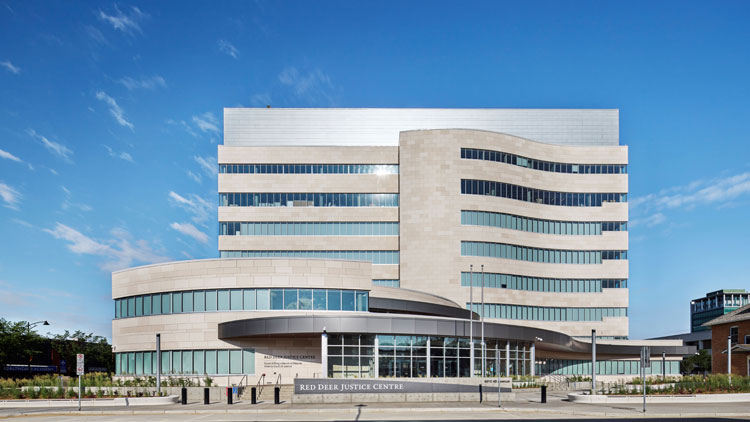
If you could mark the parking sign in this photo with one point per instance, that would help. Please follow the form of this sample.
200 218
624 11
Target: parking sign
79 364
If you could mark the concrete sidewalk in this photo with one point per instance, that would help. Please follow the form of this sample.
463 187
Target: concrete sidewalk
526 406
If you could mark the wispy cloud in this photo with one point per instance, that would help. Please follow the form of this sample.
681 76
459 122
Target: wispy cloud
208 165
58 149
313 86
119 250
207 122
194 176
200 209
190 230
183 124
719 191
10 67
121 155
260 100
143 83
96 35
69 204
227 48
127 22
10 196
114 109
9 156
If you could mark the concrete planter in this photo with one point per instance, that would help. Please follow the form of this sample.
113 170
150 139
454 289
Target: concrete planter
121 401
696 398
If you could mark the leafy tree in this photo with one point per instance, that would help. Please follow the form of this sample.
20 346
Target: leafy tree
18 344
700 363
96 349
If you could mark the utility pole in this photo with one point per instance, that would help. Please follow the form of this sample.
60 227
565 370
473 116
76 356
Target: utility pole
158 364
484 351
593 361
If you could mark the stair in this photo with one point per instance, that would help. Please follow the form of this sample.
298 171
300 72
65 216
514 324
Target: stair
266 393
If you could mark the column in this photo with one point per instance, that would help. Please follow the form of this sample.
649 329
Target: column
324 355
533 358
507 358
429 372
377 357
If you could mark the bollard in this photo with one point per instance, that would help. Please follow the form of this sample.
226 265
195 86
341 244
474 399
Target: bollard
276 394
229 395
544 394
253 395
184 395
205 396
480 393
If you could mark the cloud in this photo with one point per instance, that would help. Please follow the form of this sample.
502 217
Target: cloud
53 171
9 156
96 35
114 109
127 22
10 67
60 150
701 192
260 100
196 177
184 125
68 203
227 48
650 221
10 196
207 122
200 209
190 230
120 250
314 86
122 155
22 222
143 83
208 165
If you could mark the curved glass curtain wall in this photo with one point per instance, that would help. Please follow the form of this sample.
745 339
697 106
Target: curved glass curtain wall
538 196
504 157
282 228
605 367
544 313
354 356
539 284
550 256
308 199
536 225
242 300
308 169
187 362
376 257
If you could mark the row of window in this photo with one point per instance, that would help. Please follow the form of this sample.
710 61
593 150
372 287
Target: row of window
539 284
525 253
504 157
536 225
376 257
544 313
603 367
241 300
308 199
180 362
387 282
232 228
308 168
539 196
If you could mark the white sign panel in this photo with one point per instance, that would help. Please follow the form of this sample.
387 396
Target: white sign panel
79 364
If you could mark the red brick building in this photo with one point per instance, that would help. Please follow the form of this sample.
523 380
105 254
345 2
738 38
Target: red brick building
736 325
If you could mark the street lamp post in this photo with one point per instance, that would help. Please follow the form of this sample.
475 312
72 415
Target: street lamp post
471 320
29 326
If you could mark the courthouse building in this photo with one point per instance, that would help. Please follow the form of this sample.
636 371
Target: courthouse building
366 243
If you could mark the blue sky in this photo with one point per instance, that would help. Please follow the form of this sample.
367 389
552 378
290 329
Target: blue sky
110 115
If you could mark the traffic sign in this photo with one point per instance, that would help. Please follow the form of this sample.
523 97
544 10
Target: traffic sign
645 357
79 364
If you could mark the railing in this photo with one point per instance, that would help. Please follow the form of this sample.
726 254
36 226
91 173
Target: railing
259 385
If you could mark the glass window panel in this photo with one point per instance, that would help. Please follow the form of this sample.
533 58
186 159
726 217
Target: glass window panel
222 362
199 301
235 361
248 361
147 305
235 299
319 300
211 300
176 302
263 299
277 299
305 299
290 299
334 300
249 299
198 362
223 300
347 300
210 362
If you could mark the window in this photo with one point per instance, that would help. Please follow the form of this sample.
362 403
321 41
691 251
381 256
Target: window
734 333
521 193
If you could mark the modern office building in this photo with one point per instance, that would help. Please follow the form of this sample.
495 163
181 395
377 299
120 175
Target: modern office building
715 304
370 242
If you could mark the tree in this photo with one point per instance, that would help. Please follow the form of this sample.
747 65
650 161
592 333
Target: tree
699 363
18 344
96 349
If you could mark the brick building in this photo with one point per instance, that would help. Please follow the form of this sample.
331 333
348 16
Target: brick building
736 325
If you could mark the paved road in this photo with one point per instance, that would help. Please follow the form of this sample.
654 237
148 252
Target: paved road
526 406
